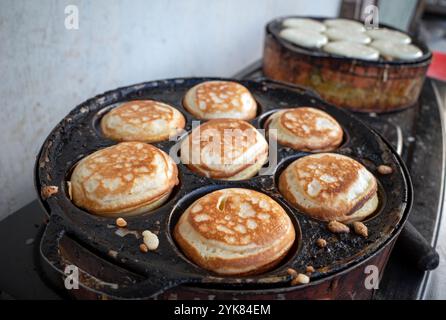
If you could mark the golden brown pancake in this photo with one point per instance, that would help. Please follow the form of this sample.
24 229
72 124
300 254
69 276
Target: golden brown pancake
330 186
126 179
220 99
235 232
142 120
225 149
305 129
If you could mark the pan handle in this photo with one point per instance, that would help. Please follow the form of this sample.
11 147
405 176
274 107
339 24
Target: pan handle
416 248
137 286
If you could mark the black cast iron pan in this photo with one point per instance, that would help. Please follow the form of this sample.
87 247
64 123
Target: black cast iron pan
78 135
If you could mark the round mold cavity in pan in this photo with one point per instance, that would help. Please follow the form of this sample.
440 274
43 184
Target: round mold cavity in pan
382 198
263 123
65 188
189 199
177 152
97 118
76 136
259 107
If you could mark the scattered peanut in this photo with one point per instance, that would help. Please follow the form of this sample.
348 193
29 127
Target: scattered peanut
310 269
143 248
120 222
48 191
321 243
360 229
338 227
292 272
383 169
150 240
300 279
113 253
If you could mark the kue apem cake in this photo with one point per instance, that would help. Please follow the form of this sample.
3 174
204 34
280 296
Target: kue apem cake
235 231
142 120
305 129
126 179
220 99
225 149
330 186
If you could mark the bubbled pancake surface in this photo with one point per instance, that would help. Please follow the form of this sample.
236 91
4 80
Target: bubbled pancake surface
305 129
328 186
224 148
142 120
220 99
122 178
235 231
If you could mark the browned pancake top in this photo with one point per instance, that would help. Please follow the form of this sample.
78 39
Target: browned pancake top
221 145
238 217
308 122
325 176
140 111
124 174
214 96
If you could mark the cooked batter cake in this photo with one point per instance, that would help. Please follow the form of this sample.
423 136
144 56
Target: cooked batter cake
142 120
235 232
225 149
330 186
305 129
126 179
220 99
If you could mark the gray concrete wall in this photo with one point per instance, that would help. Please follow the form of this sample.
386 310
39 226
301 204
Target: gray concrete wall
46 70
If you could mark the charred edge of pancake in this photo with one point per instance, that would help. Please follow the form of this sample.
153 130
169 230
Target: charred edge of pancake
364 199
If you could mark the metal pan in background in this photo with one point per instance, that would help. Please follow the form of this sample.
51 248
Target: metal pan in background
355 84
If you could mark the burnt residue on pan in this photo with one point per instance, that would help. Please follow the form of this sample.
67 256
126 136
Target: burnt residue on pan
78 135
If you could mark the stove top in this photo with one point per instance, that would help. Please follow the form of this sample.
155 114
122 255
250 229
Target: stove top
416 133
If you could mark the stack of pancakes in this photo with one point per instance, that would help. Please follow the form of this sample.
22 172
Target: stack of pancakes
349 38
